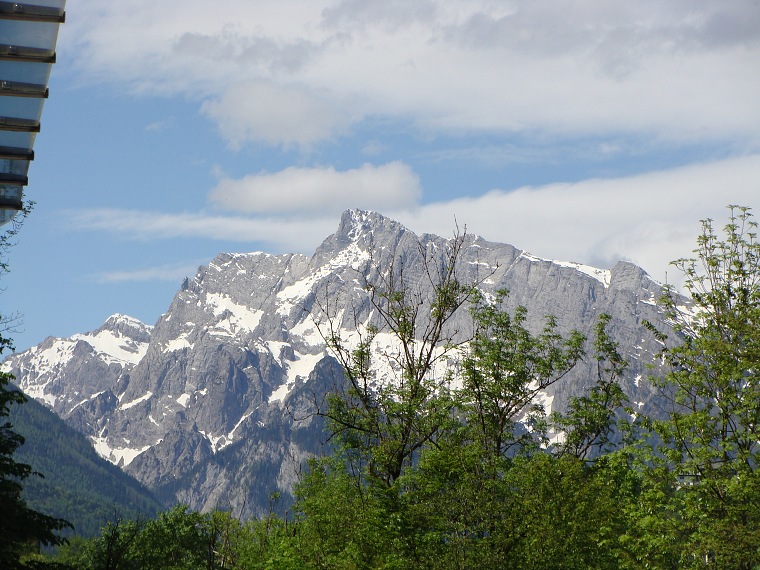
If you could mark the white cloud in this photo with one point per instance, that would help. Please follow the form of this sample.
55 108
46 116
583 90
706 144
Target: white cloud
281 234
373 148
159 126
171 272
321 191
272 114
650 219
298 72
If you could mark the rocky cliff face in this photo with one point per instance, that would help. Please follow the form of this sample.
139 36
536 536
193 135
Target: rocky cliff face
212 406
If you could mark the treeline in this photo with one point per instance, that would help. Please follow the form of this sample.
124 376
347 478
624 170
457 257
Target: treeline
464 469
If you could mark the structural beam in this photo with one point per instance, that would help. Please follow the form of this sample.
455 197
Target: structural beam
31 13
19 89
31 54
14 179
19 125
14 153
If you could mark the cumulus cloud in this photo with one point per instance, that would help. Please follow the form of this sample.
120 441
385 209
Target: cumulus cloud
265 112
304 71
321 191
649 219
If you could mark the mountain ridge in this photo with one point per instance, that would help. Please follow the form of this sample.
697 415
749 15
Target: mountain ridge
240 347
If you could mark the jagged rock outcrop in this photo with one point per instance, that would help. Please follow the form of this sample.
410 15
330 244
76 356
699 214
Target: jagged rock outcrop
213 405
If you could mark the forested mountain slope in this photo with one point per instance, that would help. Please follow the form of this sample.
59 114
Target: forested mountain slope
78 485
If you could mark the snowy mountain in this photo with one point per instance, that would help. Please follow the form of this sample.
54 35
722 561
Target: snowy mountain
90 361
212 406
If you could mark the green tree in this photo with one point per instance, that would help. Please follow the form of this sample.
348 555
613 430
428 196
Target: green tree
505 369
21 528
384 423
591 421
491 494
342 522
711 437
176 539
115 548
452 471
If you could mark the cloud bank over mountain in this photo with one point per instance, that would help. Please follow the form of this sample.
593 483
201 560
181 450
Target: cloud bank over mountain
650 219
304 71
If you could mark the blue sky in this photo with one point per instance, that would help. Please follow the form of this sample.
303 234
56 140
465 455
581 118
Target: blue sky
587 131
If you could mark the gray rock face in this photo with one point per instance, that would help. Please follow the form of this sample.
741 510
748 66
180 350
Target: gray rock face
67 374
213 405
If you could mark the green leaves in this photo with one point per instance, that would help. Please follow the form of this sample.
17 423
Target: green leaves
714 380
383 423
590 420
503 372
708 450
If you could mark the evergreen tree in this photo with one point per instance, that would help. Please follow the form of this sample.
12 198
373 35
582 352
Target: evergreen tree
21 528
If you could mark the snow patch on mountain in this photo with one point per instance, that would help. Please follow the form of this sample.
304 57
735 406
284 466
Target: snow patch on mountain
231 435
219 442
85 401
136 401
118 456
352 256
275 348
308 331
177 344
239 318
300 368
37 391
290 296
113 348
44 361
39 367
121 340
543 398
604 276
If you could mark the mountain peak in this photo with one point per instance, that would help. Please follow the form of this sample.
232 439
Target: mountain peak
126 326
240 354
355 224
118 319
360 231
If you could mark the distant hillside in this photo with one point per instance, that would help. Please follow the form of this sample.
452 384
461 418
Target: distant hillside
78 484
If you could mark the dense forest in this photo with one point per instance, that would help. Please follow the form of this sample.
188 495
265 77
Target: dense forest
467 470
78 484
